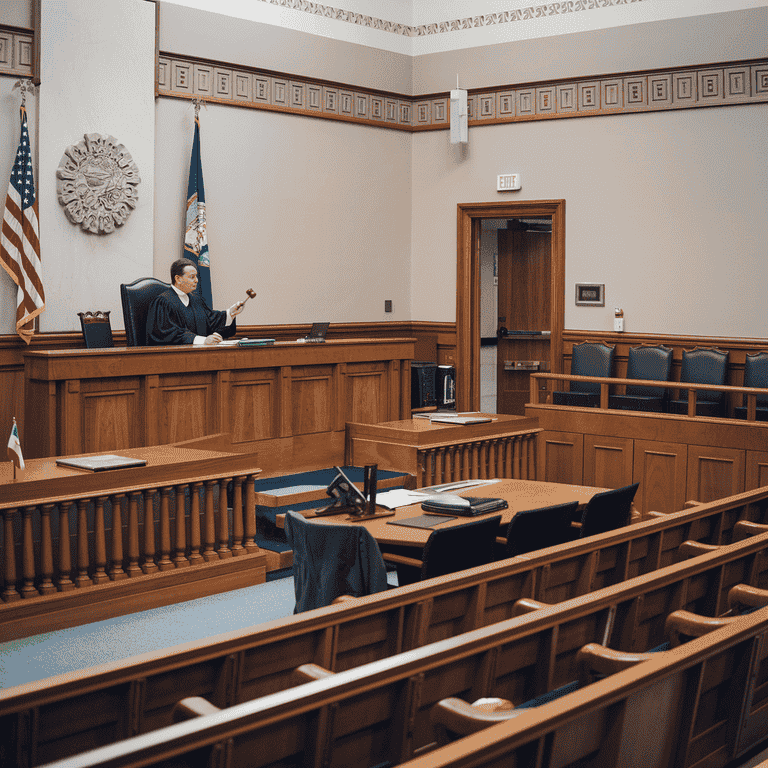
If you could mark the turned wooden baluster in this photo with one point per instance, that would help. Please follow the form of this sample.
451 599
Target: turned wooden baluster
509 447
250 514
100 542
517 460
149 565
223 550
491 458
164 562
237 517
194 524
28 555
47 586
209 553
466 454
64 582
475 462
132 567
82 579
10 593
116 572
180 560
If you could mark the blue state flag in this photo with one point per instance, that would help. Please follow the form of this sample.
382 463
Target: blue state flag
195 235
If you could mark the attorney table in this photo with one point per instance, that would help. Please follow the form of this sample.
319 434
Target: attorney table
92 400
519 494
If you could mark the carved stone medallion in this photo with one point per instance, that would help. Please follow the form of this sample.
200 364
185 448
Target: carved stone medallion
97 183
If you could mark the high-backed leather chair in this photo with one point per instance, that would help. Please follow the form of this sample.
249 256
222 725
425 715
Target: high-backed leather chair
588 359
755 375
97 329
650 363
534 529
137 298
449 550
702 366
608 510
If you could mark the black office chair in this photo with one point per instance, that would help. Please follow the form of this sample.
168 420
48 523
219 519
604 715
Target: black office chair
608 510
650 363
137 298
702 366
97 329
755 375
588 359
449 550
536 529
332 560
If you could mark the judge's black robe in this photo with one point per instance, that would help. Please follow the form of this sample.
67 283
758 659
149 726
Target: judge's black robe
170 322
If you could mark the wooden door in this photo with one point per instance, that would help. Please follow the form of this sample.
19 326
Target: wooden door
525 275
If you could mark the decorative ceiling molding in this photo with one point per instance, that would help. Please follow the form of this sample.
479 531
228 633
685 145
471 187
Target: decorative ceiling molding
710 85
539 11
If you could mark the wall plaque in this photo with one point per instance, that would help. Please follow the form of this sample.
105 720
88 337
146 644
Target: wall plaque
97 183
590 295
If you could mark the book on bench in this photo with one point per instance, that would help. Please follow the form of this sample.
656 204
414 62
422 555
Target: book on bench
101 463
462 506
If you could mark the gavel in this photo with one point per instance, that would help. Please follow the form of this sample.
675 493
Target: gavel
251 295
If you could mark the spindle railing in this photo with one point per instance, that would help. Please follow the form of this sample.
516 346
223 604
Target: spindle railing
508 456
80 540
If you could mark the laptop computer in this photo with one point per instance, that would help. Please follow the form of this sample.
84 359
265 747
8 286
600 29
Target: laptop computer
316 334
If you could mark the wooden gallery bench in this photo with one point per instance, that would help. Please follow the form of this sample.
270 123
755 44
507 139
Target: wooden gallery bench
703 702
63 715
60 716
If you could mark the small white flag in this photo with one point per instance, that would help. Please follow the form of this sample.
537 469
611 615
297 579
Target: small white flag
14 447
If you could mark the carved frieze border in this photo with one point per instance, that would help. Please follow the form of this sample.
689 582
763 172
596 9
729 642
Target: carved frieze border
16 52
692 87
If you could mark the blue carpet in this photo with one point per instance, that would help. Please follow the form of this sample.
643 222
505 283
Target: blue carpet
67 650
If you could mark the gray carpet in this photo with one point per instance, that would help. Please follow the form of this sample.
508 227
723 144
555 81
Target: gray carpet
67 650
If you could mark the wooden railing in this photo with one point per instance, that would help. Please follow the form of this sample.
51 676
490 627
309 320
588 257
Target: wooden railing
128 527
512 456
382 711
606 383
135 696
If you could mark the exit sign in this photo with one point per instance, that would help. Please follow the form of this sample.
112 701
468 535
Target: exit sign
508 182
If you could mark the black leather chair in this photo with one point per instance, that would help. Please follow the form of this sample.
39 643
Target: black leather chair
536 529
755 375
608 510
97 329
650 363
449 550
137 298
332 560
588 359
702 366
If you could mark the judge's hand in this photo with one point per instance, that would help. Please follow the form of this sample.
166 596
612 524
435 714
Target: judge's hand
236 309
214 338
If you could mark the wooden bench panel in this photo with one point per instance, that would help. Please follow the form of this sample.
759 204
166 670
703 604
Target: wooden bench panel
241 666
381 711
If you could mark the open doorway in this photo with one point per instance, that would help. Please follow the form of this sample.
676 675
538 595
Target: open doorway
471 327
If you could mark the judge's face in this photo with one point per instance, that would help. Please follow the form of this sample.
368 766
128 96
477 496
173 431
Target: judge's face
187 282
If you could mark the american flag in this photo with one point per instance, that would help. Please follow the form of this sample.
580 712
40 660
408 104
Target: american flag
20 241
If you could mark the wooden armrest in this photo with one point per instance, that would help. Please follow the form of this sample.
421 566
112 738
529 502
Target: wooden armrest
744 596
695 548
527 605
594 659
654 515
192 706
454 716
501 540
691 503
402 559
746 528
306 673
684 624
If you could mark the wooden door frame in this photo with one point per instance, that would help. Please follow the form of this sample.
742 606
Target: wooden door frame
469 216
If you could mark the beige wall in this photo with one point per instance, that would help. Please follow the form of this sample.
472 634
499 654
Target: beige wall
328 219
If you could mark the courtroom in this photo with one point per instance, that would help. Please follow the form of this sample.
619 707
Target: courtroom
385 383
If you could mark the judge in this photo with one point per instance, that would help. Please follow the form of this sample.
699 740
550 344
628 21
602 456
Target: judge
180 316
